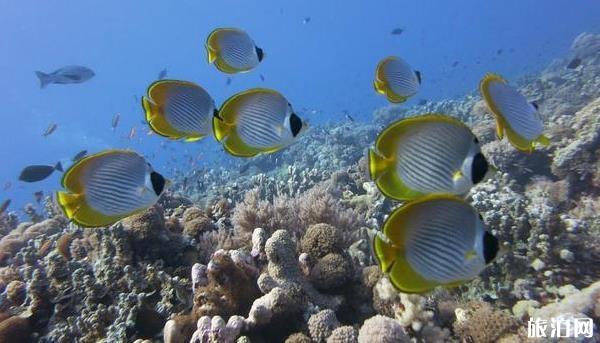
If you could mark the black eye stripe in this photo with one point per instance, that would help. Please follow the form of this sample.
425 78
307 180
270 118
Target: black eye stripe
158 182
295 124
479 168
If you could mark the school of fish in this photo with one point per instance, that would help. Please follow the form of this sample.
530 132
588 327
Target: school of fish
430 161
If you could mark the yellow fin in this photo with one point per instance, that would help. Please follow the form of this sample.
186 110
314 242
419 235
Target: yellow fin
69 203
77 210
484 89
234 145
471 254
226 68
212 45
221 129
519 142
378 165
157 121
211 54
392 260
543 140
386 179
384 252
193 139
457 175
407 280
499 128
395 98
379 86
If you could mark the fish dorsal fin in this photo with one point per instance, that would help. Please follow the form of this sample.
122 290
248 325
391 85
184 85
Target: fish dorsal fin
73 177
484 85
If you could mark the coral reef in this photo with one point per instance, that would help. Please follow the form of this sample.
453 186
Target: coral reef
279 249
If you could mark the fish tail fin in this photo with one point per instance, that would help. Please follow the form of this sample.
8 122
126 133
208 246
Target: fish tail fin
211 54
70 203
377 164
45 79
220 128
59 167
384 252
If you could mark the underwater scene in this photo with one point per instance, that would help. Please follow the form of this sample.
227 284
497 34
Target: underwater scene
300 171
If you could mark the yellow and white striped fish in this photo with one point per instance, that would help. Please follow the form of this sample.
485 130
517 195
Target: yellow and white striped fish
179 110
257 121
436 240
395 79
431 153
233 51
515 116
108 186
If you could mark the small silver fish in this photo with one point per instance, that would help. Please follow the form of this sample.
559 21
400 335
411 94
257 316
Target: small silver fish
306 20
79 155
7 186
115 120
162 74
4 206
51 128
131 133
262 77
65 75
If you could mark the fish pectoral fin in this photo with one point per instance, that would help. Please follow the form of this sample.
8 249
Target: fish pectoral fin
457 175
470 255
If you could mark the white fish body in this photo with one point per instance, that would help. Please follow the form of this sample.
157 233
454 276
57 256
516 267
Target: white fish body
396 79
108 186
257 121
233 51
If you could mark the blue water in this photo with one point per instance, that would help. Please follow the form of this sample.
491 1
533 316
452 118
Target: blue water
326 65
